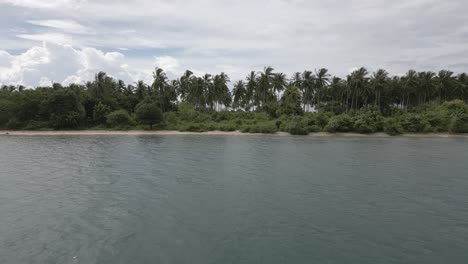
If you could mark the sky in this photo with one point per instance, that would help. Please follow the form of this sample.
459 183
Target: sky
68 41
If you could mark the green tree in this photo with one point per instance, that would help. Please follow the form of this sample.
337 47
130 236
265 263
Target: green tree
148 113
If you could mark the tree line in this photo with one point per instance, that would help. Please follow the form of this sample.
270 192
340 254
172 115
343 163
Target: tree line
273 93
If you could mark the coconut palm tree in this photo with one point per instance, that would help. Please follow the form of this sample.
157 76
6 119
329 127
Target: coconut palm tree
252 92
265 84
357 82
322 79
279 83
159 86
239 95
445 83
378 84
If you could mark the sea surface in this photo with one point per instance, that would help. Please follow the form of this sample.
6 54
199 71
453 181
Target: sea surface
233 199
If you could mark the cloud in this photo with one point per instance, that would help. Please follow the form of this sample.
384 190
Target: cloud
65 25
48 37
168 63
41 65
219 35
47 4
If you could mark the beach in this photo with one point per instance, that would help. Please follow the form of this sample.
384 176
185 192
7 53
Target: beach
227 133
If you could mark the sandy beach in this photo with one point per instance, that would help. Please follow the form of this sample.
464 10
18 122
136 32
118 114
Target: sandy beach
231 133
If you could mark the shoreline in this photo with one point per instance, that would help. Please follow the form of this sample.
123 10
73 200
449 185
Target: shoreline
232 133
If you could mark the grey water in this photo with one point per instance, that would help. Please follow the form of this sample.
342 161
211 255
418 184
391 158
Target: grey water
233 199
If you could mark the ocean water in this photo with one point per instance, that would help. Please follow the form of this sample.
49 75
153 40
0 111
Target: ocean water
233 199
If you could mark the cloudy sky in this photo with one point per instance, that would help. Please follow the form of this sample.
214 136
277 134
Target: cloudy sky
69 40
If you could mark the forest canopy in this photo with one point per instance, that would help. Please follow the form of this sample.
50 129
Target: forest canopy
265 102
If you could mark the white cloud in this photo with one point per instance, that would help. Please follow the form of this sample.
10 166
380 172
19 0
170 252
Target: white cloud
44 3
41 65
65 25
236 37
48 37
168 63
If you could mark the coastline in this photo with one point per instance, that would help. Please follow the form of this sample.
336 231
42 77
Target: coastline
232 133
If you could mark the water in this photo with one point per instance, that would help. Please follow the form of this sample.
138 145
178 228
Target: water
232 199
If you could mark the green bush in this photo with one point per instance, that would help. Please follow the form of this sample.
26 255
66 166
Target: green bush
392 127
193 127
264 127
148 113
227 127
120 119
368 122
459 123
36 125
415 123
13 123
313 129
438 120
297 128
69 120
339 123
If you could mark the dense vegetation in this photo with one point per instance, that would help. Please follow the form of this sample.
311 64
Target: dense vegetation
266 102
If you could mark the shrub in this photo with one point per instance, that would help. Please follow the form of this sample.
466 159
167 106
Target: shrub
438 120
66 120
120 118
392 127
100 112
368 122
227 127
148 113
313 129
415 123
13 123
459 124
193 127
264 127
339 123
323 118
296 128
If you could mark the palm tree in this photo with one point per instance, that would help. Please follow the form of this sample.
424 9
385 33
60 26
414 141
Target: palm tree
208 89
141 89
279 83
426 85
322 79
357 82
307 89
222 95
408 86
378 82
185 83
159 85
265 84
252 92
239 93
445 82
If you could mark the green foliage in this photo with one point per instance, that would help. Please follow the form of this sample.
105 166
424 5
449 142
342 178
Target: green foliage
392 127
120 119
262 127
6 111
339 123
291 102
148 113
100 113
63 109
265 102
415 123
459 123
297 127
368 122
